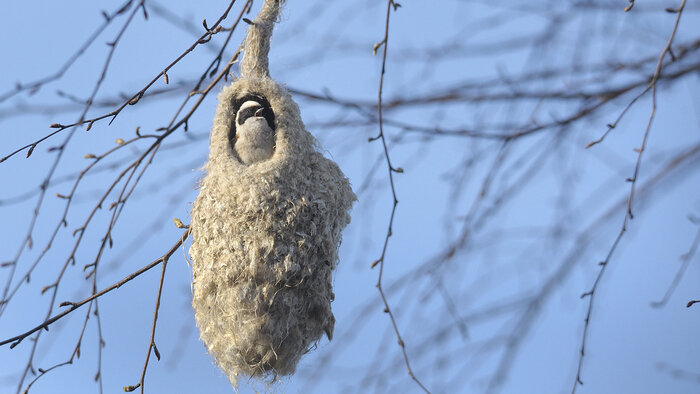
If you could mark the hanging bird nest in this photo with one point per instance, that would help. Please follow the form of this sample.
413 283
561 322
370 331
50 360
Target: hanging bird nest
265 235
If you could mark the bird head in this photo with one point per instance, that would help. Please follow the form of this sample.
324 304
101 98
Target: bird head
252 110
249 107
253 130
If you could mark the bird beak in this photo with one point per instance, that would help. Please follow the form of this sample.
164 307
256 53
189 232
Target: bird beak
259 112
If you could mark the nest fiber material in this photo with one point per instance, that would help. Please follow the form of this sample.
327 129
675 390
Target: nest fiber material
265 235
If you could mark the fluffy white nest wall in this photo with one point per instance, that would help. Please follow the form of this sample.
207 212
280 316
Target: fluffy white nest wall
265 235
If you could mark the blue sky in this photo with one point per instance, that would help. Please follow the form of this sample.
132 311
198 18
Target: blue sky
558 190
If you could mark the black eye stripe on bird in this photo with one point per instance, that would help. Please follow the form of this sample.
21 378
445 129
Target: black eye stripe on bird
248 109
253 108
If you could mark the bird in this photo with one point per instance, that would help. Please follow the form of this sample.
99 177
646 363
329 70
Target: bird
254 132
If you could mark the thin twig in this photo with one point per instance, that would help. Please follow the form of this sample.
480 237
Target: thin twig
34 86
69 197
685 261
628 214
684 161
152 344
61 149
27 241
16 340
100 345
392 170
204 38
124 194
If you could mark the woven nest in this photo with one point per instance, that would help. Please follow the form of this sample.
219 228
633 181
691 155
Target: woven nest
265 235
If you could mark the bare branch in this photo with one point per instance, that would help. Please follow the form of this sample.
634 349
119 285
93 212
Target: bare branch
72 306
392 170
633 181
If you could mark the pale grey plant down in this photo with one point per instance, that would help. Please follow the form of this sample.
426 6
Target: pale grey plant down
265 235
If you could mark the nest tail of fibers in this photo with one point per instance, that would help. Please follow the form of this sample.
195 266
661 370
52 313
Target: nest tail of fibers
265 235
